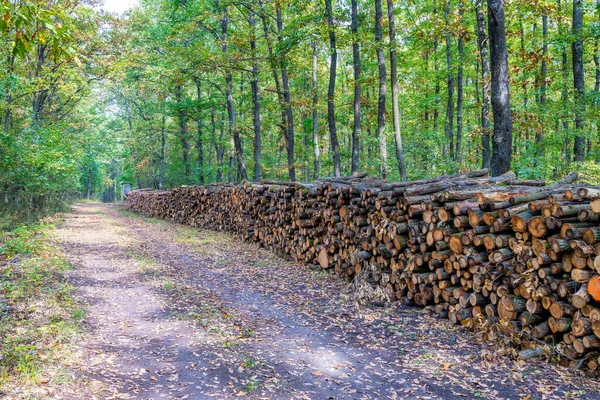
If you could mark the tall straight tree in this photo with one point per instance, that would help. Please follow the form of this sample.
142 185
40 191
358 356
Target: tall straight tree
183 129
502 136
289 114
315 112
449 125
578 80
382 90
459 89
394 78
331 91
199 138
255 98
357 94
234 129
482 44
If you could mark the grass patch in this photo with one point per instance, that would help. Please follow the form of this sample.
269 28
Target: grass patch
39 318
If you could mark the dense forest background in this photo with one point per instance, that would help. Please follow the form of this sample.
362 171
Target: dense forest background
189 92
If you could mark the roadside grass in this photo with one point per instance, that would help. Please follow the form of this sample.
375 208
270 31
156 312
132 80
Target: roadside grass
39 317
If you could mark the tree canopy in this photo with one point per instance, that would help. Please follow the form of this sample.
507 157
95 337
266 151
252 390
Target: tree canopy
183 92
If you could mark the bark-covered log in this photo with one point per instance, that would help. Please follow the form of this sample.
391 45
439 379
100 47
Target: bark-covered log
467 246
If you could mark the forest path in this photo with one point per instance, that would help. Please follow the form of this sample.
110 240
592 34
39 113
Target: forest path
179 313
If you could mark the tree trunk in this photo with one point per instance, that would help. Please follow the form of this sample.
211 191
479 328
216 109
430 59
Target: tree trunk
382 92
564 98
331 92
502 136
436 112
543 73
290 137
233 128
273 62
394 78
218 145
449 125
89 183
485 84
578 80
315 122
357 94
161 165
199 139
7 95
459 91
183 129
255 100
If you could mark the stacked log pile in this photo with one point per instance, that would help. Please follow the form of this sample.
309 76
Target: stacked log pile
472 248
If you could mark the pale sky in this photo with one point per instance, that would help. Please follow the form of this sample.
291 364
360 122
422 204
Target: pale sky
119 6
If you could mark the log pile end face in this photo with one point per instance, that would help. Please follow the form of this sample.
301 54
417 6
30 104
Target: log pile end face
468 246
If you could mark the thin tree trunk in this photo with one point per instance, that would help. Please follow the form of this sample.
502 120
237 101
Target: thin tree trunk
578 80
183 129
525 126
273 62
459 92
255 100
564 98
218 145
395 105
331 92
357 94
89 183
8 96
485 84
199 139
290 137
161 165
502 136
315 121
436 112
233 128
449 125
543 73
382 92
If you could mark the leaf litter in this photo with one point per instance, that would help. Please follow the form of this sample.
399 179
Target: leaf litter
180 313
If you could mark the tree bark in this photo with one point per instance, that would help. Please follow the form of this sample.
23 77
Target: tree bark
502 136
218 145
459 91
183 129
315 121
161 165
274 63
233 128
394 79
543 73
89 183
578 80
357 93
290 137
331 91
199 139
436 112
382 92
449 124
485 84
255 100
564 98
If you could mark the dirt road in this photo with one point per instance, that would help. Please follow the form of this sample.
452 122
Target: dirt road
177 313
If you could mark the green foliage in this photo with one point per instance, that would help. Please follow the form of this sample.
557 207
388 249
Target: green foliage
38 316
